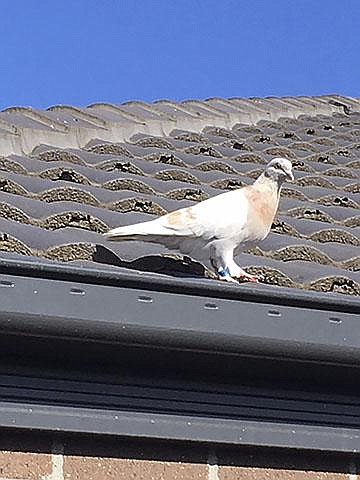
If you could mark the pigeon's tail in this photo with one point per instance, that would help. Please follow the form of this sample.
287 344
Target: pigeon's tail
145 231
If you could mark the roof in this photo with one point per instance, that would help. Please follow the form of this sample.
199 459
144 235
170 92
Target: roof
118 339
68 174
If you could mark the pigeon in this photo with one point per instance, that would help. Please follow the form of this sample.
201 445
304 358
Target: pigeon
214 230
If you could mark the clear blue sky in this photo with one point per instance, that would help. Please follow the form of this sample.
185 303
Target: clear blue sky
84 51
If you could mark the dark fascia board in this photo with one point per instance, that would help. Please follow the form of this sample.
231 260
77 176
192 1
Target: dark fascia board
44 301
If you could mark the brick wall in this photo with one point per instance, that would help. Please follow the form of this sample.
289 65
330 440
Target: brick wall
34 457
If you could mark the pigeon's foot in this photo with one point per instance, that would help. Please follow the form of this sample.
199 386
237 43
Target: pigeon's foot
229 279
249 278
224 275
239 276
242 279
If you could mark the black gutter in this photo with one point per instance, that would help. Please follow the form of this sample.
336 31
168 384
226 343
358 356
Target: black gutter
53 308
144 355
187 285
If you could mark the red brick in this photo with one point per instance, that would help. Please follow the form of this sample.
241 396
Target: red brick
249 473
24 465
96 468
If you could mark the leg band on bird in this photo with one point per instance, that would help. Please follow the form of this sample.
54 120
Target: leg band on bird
224 272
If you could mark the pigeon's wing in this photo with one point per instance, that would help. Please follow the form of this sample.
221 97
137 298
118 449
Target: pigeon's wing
213 218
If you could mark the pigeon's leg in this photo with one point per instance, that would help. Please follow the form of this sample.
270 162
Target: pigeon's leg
240 274
219 264
226 268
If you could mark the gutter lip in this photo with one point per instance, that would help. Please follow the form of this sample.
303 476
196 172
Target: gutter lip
196 286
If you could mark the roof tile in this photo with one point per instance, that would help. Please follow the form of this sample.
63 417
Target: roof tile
69 174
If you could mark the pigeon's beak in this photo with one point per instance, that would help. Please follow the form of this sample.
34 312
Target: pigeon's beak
290 176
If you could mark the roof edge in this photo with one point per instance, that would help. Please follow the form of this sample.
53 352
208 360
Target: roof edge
123 277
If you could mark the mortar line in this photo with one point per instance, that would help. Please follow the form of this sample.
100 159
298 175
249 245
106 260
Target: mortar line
57 458
352 471
213 468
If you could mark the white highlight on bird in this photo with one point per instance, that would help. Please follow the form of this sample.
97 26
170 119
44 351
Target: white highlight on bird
216 229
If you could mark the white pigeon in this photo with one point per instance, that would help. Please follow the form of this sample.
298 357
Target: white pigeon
216 229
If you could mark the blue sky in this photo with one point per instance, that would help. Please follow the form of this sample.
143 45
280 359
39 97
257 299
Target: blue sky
84 51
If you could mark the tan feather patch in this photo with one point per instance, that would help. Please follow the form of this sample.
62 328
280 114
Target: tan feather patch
262 204
179 217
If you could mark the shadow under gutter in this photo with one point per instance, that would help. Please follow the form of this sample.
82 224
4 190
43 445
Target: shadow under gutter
135 354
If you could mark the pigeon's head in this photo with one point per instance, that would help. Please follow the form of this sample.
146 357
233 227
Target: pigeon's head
279 169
